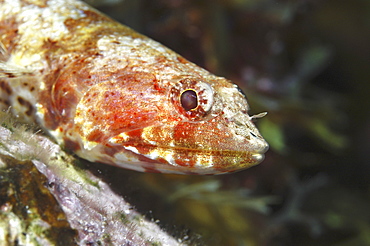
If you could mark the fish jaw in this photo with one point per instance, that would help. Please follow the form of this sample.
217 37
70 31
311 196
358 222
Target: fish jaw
190 149
156 159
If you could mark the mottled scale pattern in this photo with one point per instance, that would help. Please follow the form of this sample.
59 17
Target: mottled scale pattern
114 96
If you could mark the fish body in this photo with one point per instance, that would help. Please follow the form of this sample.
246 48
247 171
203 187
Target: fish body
112 95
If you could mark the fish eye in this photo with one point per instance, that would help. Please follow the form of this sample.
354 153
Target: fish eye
193 99
189 100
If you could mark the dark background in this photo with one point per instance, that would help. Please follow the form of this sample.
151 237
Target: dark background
306 63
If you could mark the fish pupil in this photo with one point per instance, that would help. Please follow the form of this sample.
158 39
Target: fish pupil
189 100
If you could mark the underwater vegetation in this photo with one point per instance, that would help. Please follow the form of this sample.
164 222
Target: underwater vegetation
305 62
46 198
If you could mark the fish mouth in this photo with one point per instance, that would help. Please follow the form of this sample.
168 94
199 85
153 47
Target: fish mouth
189 159
182 160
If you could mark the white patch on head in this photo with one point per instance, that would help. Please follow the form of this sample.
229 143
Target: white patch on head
118 138
169 158
172 143
40 111
89 145
208 93
38 24
132 149
121 46
152 142
204 161
153 155
42 85
166 154
234 102
116 48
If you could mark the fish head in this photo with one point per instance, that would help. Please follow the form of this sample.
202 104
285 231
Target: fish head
191 125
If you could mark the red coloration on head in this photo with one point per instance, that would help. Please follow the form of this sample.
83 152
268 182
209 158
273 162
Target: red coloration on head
188 163
145 116
113 106
182 60
117 97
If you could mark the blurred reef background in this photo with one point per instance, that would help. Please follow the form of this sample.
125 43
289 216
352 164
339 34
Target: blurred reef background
305 62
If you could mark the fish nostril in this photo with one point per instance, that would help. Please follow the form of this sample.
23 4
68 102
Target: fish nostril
254 135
